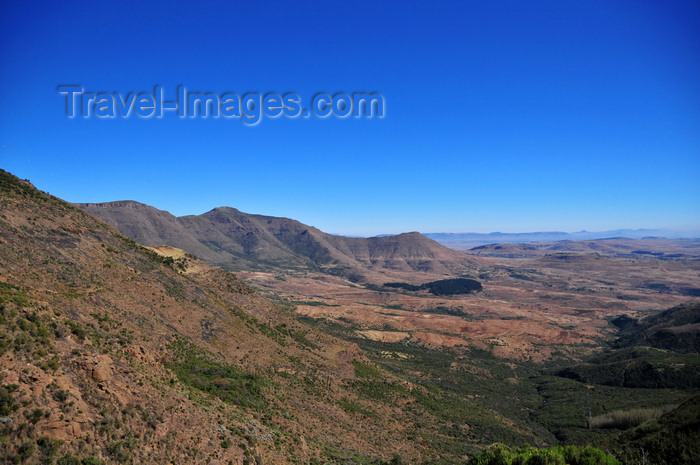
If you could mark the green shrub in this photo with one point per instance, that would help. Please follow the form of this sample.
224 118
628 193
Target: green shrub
363 370
7 402
68 459
76 328
34 416
48 446
92 461
25 450
353 407
11 293
500 454
61 395
227 382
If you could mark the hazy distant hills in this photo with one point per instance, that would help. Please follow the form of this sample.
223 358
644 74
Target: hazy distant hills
464 241
652 247
234 240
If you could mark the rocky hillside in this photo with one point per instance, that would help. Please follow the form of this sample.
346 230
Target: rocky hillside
111 352
235 240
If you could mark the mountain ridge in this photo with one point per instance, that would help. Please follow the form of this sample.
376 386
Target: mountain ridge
227 237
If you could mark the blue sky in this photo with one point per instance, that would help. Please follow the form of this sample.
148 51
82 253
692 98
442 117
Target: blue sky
500 116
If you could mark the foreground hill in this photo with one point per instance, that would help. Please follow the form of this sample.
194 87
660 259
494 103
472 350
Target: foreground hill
235 240
672 438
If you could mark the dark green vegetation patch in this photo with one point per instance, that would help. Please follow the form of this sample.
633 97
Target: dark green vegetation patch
229 383
499 454
672 439
443 286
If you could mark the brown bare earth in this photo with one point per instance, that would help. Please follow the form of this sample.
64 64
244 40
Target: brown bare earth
537 298
530 307
112 352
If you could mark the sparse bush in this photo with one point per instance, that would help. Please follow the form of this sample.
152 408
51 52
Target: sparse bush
7 402
120 450
92 461
48 446
34 416
61 395
227 382
25 450
68 459
53 363
76 328
353 407
11 293
363 370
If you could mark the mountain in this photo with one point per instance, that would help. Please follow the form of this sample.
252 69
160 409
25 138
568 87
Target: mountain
619 247
235 240
151 227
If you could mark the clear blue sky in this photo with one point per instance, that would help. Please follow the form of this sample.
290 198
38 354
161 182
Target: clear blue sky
500 116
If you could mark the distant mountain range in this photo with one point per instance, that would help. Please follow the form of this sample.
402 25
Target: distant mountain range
465 241
235 240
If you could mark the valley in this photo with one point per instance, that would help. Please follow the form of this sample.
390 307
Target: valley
136 344
529 307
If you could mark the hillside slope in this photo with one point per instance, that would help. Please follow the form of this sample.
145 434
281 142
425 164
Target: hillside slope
659 351
671 439
676 329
